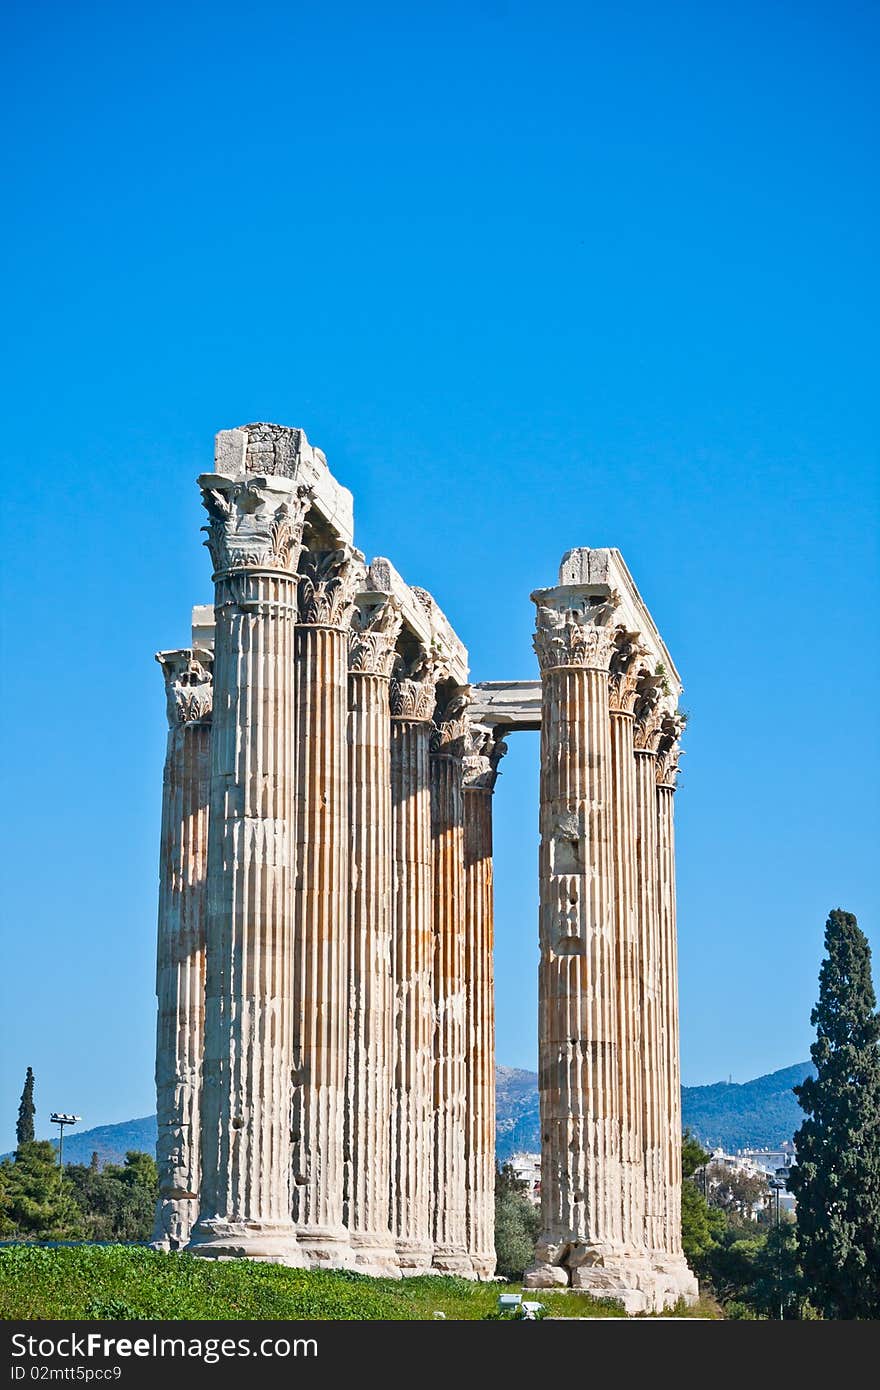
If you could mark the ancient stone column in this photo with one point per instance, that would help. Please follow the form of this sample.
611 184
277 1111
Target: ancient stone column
581 1208
180 957
668 755
623 678
412 707
320 969
375 626
254 538
480 768
449 1219
655 1129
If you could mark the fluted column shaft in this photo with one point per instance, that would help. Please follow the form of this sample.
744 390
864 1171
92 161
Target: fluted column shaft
479 1030
655 1126
447 833
371 1035
626 920
577 1031
320 974
413 965
180 960
668 1008
245 1203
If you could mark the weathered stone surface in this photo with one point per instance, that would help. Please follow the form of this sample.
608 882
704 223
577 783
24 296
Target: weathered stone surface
369 1081
577 1019
412 697
180 956
327 583
276 450
480 770
246 1099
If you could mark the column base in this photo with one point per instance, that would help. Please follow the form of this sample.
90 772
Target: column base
643 1283
175 1218
451 1259
272 1242
414 1257
676 1276
374 1253
325 1247
484 1263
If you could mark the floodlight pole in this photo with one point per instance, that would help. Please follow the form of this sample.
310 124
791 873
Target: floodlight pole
61 1120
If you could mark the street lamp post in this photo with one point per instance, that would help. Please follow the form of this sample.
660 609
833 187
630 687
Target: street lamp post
61 1120
776 1186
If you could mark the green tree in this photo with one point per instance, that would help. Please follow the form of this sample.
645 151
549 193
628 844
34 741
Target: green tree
701 1226
117 1203
837 1177
37 1202
24 1128
517 1222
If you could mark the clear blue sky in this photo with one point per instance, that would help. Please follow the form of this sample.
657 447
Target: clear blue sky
533 276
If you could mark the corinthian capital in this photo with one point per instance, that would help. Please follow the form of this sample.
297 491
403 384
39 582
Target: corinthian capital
451 724
412 692
647 712
669 749
327 580
254 523
623 669
375 626
483 752
573 627
188 685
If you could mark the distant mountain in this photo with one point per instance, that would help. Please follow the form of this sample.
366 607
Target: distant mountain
756 1114
110 1142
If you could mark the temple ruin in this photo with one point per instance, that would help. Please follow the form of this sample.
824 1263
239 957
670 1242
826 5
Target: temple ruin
325 1062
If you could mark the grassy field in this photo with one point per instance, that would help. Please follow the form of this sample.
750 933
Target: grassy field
119 1282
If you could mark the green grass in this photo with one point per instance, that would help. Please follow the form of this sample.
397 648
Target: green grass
122 1282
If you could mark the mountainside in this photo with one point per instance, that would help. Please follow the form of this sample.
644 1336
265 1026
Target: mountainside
110 1142
756 1114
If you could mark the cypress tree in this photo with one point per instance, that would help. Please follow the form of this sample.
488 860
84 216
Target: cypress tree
24 1129
837 1177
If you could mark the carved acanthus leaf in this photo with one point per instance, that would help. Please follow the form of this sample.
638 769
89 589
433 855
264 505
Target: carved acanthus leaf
188 685
326 587
413 685
647 713
375 627
669 749
483 752
449 735
576 632
623 669
253 524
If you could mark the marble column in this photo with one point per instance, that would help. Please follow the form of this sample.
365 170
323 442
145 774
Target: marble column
480 770
320 966
448 742
668 754
375 627
581 1208
648 717
180 957
622 688
254 537
412 697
